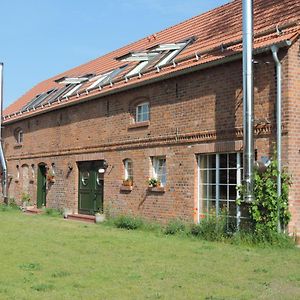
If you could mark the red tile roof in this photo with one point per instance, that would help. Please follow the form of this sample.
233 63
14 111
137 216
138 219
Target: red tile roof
222 25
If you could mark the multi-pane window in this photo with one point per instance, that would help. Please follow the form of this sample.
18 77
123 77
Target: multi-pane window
159 169
128 168
142 112
19 135
219 175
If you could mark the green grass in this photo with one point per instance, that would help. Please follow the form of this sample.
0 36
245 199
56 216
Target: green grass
50 258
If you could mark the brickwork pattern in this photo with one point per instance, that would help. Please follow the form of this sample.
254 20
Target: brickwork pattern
196 113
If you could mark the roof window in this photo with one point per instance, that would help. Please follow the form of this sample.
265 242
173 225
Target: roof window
157 56
102 79
38 100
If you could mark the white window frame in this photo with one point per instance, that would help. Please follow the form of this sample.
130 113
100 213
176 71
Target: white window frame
137 69
98 79
207 184
73 90
158 174
128 169
137 114
19 136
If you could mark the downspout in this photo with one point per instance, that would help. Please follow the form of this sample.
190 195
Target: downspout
2 157
248 103
274 50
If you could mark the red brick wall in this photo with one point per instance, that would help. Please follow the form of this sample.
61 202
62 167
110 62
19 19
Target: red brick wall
292 114
195 113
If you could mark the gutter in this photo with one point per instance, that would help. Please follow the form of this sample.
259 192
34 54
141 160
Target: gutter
274 50
2 157
185 71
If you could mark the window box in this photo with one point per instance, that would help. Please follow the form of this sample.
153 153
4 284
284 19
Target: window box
156 189
126 188
17 146
139 125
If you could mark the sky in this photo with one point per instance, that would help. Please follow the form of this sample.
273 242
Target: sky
42 38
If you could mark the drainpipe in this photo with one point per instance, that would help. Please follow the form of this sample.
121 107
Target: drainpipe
2 157
248 104
274 50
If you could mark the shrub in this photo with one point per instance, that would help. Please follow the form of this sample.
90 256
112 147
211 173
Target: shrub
264 209
128 222
175 226
53 212
211 228
12 205
25 197
263 238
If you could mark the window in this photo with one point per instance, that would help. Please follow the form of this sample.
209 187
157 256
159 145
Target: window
159 170
17 173
19 135
142 112
170 52
219 175
157 56
128 168
101 80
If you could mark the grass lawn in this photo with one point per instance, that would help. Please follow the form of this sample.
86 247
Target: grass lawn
46 257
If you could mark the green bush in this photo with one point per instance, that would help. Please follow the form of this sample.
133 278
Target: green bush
10 206
128 222
53 212
263 238
264 209
211 228
175 226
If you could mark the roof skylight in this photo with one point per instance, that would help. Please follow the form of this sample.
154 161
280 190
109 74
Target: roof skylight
162 54
105 78
38 100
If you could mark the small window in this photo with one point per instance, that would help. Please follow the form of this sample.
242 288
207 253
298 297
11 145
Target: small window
19 135
128 168
159 169
142 112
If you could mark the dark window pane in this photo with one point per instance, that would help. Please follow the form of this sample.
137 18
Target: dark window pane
212 161
232 192
232 160
223 161
212 176
232 176
223 176
223 191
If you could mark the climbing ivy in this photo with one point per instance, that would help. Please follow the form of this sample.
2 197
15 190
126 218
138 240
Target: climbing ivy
263 210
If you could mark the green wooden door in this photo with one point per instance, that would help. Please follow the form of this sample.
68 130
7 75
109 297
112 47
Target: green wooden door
90 196
41 186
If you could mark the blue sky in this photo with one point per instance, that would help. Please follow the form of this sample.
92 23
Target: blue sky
41 38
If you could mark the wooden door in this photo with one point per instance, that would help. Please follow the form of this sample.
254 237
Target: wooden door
41 186
90 196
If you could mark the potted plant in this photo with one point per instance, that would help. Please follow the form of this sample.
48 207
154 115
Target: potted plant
153 182
51 176
99 217
128 182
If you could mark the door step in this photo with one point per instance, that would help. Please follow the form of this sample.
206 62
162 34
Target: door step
80 217
33 210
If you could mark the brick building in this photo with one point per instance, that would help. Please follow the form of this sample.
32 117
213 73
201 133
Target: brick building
167 107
